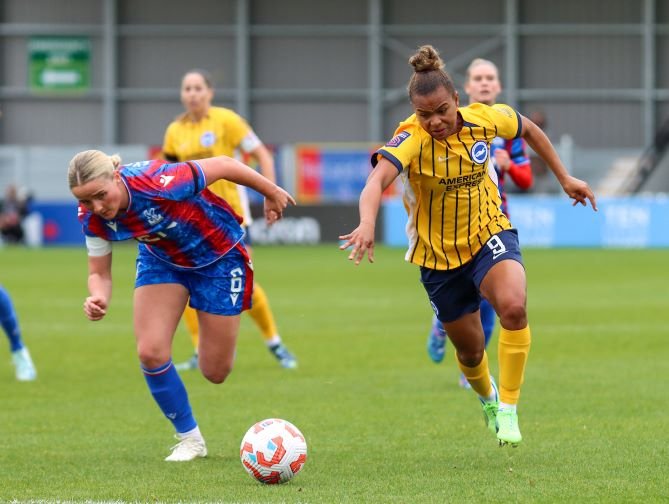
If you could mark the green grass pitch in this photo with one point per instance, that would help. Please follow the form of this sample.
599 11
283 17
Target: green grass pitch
383 423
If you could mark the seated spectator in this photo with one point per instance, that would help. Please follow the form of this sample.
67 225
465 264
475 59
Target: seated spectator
14 208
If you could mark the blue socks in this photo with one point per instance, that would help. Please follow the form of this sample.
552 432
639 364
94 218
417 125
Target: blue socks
9 321
169 392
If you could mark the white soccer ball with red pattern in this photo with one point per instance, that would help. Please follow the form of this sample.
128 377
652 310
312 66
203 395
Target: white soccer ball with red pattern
273 451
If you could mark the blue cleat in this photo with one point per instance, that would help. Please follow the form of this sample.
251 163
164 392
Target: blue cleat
189 365
436 341
463 382
283 355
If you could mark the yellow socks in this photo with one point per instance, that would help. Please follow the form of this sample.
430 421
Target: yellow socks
478 376
514 346
192 325
261 313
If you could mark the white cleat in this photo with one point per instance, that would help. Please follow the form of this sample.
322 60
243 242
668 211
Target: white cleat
25 369
188 448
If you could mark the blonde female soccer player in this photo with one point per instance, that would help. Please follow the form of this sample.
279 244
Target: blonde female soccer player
190 250
204 131
463 243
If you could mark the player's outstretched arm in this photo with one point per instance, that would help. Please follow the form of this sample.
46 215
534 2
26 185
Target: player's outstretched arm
275 202
576 189
361 239
265 161
224 167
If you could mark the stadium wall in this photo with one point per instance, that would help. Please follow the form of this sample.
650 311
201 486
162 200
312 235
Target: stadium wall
326 180
304 71
552 221
542 221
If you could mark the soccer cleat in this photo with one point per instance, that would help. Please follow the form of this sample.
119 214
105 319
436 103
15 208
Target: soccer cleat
508 431
188 365
436 341
25 369
490 409
188 448
283 355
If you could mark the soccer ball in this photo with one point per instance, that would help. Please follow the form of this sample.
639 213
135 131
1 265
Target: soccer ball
273 451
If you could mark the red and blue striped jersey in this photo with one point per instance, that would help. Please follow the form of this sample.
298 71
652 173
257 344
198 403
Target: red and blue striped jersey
171 213
520 169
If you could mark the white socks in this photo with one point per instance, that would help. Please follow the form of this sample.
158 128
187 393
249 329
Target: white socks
194 433
273 341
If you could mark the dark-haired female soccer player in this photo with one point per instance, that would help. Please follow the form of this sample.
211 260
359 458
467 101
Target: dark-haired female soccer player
190 251
509 159
464 244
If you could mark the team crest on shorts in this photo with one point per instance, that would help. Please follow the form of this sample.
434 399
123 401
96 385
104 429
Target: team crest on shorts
479 152
398 139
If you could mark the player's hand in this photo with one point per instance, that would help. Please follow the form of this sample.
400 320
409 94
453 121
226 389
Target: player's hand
275 203
362 241
95 307
579 191
502 160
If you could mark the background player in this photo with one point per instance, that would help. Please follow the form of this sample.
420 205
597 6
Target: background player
203 131
23 363
508 157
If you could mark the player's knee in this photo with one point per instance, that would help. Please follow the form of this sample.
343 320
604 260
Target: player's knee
151 357
513 315
471 358
218 374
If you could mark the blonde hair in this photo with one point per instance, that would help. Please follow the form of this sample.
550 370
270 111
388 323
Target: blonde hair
429 73
480 61
91 165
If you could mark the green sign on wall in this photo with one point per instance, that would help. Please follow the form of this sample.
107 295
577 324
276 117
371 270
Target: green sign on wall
59 63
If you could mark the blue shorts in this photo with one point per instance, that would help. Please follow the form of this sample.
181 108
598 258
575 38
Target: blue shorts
222 288
247 235
454 293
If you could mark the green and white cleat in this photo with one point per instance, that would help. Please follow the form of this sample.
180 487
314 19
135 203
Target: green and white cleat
508 431
490 415
490 410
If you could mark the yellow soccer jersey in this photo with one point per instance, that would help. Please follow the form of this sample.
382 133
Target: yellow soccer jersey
219 133
450 188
